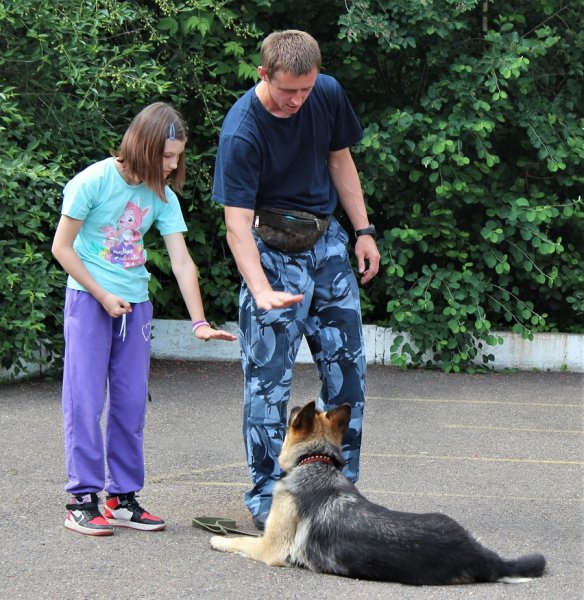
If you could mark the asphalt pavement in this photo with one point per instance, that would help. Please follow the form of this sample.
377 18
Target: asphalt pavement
502 453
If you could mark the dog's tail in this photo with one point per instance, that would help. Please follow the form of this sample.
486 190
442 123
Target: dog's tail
523 569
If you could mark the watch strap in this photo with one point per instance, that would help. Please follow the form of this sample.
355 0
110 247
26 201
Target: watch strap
369 230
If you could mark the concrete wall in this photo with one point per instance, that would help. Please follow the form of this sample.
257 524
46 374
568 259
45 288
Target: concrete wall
547 352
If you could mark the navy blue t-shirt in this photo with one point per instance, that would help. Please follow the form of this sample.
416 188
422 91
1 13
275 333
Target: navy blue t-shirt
263 160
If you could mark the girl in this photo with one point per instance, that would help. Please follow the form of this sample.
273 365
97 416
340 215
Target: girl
107 210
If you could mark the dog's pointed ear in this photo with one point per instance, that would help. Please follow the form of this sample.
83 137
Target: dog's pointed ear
302 419
293 414
340 417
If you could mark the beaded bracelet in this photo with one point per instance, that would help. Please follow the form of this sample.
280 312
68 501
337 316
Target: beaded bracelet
198 324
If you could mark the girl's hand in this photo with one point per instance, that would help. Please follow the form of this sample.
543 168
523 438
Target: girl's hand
115 306
206 332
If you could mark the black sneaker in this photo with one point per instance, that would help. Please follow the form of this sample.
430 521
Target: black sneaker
85 517
123 510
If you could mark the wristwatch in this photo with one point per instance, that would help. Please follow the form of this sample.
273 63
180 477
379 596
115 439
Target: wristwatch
369 230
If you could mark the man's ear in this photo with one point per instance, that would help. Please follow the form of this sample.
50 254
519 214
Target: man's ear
262 73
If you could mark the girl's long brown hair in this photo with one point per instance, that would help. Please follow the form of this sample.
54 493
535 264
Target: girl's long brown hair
142 148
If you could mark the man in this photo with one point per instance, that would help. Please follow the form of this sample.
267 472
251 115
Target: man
283 164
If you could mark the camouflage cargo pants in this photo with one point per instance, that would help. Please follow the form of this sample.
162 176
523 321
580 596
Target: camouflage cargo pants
330 318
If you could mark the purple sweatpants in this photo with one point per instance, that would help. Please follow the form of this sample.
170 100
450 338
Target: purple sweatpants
107 362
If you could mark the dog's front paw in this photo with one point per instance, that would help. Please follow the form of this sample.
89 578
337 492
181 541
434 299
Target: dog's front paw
220 543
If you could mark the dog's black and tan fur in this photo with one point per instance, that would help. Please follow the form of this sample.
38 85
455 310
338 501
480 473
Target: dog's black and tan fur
321 522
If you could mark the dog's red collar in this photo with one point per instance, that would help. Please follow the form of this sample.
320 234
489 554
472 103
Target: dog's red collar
314 458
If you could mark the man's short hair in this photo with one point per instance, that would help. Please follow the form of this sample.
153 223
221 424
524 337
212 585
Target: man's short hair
292 51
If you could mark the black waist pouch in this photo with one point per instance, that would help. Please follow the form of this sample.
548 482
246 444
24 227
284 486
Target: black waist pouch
289 230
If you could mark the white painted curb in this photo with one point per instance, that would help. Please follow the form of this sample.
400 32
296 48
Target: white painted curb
547 351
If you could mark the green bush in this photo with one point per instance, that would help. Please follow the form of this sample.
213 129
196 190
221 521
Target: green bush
71 76
31 284
209 54
471 161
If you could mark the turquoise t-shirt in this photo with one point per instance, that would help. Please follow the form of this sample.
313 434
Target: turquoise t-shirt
116 216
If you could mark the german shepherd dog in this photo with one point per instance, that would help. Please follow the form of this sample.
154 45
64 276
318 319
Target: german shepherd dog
320 521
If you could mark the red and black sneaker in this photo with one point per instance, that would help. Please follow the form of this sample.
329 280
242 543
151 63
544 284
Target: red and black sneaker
123 510
85 517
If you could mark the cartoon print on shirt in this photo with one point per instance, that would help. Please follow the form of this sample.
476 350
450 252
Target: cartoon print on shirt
123 241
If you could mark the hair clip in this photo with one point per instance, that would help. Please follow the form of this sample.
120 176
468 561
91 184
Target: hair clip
171 132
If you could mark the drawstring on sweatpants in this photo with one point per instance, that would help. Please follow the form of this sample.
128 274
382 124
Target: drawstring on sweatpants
123 328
